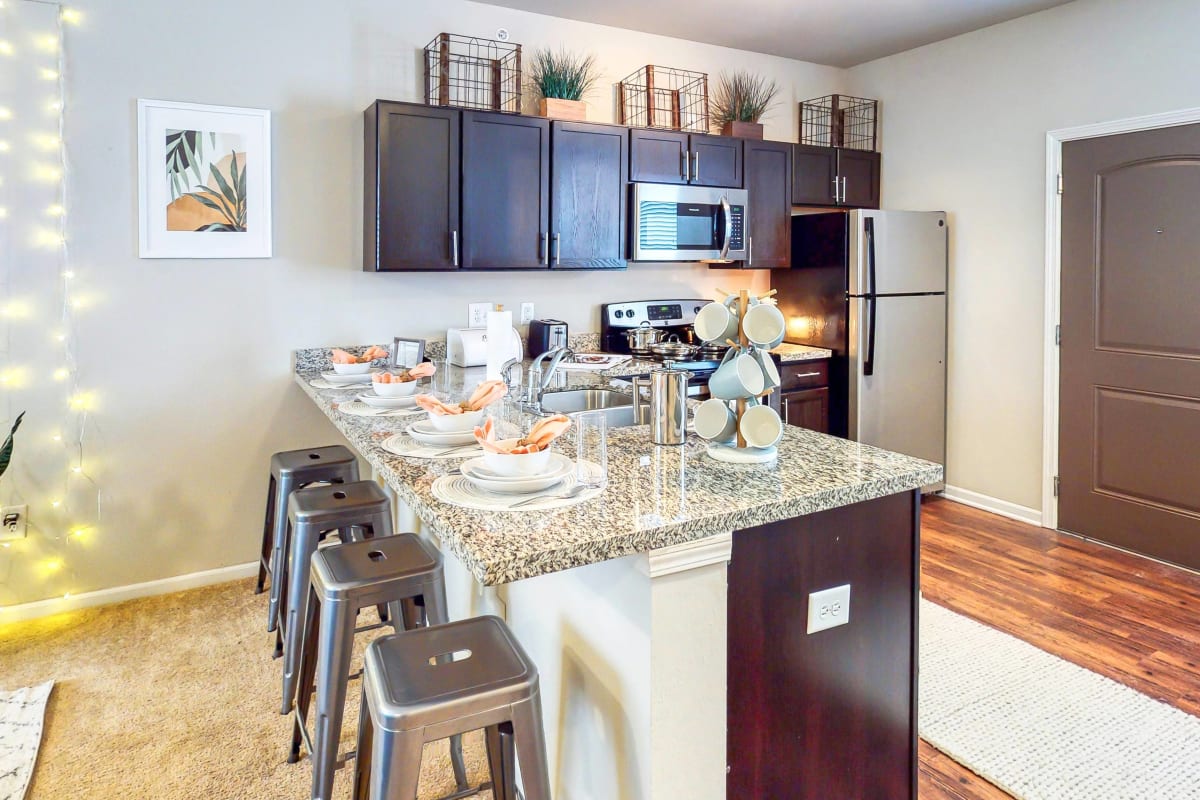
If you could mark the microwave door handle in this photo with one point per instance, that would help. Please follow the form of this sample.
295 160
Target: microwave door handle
728 213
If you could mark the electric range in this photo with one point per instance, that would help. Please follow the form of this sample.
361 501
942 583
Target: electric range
672 317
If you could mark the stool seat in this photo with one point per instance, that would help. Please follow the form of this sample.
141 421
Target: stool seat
353 567
311 461
329 505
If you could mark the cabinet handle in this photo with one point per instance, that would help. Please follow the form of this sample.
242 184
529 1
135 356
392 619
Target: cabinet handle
836 185
696 165
807 375
786 406
454 247
546 248
685 164
843 190
750 251
557 248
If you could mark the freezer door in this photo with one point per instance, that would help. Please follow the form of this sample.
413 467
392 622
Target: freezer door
897 391
908 249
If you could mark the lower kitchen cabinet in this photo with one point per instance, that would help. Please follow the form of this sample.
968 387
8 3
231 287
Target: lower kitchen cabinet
804 399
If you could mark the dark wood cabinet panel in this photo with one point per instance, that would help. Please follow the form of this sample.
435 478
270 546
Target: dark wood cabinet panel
657 156
410 187
716 161
813 172
804 374
859 172
505 191
807 409
831 714
768 170
589 173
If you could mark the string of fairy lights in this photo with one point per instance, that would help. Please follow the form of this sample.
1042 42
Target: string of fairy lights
66 511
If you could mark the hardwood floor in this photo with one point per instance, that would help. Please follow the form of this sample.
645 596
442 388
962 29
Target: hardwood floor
1123 616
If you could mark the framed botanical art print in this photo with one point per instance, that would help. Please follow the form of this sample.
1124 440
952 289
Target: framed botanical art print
204 175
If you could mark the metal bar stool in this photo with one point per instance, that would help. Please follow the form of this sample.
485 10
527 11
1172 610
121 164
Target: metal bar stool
312 513
435 682
291 470
401 571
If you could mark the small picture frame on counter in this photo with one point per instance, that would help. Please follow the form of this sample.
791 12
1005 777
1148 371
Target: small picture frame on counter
407 353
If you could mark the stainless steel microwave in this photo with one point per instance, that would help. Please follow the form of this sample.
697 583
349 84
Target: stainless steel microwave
688 223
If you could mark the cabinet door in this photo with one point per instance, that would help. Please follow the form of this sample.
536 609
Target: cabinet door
858 170
813 173
807 409
769 186
505 191
657 156
410 187
716 161
589 172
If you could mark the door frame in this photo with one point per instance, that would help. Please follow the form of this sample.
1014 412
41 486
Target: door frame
1050 371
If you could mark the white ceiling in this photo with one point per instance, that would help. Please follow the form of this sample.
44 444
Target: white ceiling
840 33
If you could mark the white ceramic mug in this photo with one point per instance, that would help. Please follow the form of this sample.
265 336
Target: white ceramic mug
761 426
770 372
738 376
714 421
716 322
764 325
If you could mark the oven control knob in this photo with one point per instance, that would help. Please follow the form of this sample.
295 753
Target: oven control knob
696 309
618 313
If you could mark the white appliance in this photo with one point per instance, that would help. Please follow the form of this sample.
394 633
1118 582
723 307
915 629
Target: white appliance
467 347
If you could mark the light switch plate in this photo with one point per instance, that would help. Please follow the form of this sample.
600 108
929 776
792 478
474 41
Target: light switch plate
14 519
526 313
828 608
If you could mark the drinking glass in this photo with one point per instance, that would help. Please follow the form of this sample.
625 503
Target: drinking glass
591 449
439 384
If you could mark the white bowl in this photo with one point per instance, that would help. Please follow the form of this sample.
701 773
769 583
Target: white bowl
456 423
352 369
405 389
513 465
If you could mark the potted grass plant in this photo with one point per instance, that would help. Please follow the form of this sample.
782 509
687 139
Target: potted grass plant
739 100
561 79
6 450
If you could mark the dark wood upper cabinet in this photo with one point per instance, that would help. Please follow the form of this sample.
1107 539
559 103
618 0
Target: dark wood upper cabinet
716 161
410 188
589 173
768 169
832 176
658 156
505 191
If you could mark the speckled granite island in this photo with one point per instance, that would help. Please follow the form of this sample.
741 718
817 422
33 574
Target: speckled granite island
668 617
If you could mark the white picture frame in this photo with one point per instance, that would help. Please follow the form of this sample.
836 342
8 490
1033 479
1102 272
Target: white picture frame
184 211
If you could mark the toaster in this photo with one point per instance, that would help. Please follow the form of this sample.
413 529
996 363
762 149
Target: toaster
546 334
467 347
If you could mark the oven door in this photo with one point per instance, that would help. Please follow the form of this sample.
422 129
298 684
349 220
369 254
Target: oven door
687 223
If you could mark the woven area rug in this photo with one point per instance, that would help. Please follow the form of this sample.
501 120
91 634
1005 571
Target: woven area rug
1042 728
21 716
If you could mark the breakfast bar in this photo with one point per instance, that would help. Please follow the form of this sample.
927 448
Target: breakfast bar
670 616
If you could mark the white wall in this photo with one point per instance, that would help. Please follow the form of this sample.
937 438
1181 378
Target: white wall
189 360
964 123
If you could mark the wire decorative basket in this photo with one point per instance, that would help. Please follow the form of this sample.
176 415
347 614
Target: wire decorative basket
838 120
469 72
664 97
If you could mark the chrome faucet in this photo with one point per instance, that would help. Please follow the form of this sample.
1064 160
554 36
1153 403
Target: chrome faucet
539 379
506 374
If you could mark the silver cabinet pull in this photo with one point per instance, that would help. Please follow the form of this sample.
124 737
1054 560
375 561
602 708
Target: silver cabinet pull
786 406
557 248
454 247
696 165
836 188
843 189
546 248
750 251
806 375
686 166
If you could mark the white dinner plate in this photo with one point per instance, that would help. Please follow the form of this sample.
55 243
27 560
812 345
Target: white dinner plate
425 433
375 401
476 472
349 380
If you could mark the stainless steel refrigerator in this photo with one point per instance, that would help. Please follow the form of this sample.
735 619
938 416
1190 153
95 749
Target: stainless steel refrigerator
871 287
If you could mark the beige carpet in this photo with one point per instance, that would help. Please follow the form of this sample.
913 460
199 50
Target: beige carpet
175 697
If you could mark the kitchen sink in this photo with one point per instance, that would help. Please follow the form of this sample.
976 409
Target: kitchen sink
616 406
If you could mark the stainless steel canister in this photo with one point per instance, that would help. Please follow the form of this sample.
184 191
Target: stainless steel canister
668 403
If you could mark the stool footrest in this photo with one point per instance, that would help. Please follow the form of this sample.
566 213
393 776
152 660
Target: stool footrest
374 626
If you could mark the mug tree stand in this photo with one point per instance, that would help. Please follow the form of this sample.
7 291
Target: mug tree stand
739 452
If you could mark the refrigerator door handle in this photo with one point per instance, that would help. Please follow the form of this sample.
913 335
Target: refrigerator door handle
869 235
868 367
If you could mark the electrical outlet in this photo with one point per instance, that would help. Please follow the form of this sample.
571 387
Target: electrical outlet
477 314
828 608
526 313
12 522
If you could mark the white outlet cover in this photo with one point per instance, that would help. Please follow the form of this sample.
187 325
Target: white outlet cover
477 314
828 608
526 313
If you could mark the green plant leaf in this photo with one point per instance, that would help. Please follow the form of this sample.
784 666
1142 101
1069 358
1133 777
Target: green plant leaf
742 97
225 188
222 208
218 227
562 75
7 450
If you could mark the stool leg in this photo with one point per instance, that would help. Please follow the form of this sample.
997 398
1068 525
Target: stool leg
395 764
501 761
268 541
308 671
303 541
279 554
362 750
334 649
531 747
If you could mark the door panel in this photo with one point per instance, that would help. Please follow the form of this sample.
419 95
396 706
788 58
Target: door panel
910 252
859 172
505 191
768 168
807 409
1129 407
657 156
902 405
813 171
588 195
716 161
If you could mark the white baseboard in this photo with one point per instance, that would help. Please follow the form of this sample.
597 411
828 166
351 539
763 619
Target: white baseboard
117 594
987 503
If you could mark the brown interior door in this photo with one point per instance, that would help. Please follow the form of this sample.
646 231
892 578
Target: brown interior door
1129 413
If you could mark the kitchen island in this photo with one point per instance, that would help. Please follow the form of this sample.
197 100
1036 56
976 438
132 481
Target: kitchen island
668 616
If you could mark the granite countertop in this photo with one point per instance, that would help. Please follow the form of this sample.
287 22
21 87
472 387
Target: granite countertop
789 353
656 496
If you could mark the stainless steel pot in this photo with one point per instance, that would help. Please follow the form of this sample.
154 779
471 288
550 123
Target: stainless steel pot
674 349
643 336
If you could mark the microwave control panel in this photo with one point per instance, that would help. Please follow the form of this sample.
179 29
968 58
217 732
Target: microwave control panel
737 236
